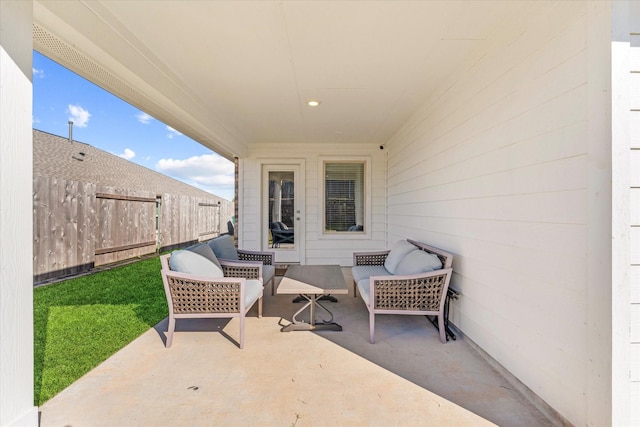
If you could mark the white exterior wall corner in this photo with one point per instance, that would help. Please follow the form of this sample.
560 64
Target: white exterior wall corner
16 286
599 213
513 160
625 137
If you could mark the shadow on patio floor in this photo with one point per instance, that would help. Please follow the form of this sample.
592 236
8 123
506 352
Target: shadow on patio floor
299 378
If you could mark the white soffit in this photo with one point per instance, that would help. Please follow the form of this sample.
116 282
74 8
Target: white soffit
230 73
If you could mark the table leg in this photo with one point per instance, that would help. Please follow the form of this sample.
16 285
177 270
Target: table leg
312 311
322 298
299 325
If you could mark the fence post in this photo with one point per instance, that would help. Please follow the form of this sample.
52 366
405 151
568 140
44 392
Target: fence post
158 218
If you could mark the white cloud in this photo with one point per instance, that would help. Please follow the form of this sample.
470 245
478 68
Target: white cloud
144 118
209 172
78 115
35 120
172 132
128 154
38 73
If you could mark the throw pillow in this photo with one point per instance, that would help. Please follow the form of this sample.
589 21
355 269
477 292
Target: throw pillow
224 248
206 251
397 253
418 262
184 261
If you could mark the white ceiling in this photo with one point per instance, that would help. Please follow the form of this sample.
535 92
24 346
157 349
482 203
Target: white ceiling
233 73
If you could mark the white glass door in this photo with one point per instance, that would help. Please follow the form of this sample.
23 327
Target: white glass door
281 213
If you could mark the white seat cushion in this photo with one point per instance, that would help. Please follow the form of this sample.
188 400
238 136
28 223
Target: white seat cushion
363 287
268 271
252 291
360 272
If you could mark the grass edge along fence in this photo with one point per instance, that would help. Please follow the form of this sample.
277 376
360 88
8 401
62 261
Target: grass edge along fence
82 321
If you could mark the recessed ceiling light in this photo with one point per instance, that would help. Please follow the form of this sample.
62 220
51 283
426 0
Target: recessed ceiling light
313 103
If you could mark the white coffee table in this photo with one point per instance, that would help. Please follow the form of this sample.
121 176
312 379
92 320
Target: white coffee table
312 282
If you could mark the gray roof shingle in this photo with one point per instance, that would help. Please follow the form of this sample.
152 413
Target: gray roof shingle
57 157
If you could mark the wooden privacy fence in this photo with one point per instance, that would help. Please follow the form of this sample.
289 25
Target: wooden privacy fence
125 225
188 219
79 226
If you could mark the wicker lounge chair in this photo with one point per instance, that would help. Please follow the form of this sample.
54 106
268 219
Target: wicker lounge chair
224 249
404 286
205 296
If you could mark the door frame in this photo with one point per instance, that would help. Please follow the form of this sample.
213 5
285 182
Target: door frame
298 167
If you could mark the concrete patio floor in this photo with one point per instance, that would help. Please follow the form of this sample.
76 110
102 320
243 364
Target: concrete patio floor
407 378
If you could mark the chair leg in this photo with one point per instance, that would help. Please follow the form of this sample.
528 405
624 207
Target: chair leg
170 329
355 289
241 330
260 308
273 285
443 332
372 325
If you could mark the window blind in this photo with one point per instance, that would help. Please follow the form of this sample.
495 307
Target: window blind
344 196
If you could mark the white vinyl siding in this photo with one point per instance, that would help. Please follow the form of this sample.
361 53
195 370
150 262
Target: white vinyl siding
634 223
319 248
497 170
16 225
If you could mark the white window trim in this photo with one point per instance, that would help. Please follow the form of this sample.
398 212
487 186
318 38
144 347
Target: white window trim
367 198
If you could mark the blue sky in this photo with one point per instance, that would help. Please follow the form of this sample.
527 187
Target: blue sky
107 122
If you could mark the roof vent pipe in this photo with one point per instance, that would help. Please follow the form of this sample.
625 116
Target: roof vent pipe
70 131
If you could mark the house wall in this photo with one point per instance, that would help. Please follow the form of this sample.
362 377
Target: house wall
633 339
318 249
509 168
16 293
626 225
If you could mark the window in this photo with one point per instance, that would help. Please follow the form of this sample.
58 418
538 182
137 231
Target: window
344 197
281 197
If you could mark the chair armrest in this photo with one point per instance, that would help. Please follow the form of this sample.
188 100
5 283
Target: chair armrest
266 258
245 269
187 293
370 258
415 292
195 279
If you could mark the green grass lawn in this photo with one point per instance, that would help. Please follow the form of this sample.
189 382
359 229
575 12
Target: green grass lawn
80 322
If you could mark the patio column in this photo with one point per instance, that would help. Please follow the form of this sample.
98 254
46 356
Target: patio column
599 192
16 253
625 115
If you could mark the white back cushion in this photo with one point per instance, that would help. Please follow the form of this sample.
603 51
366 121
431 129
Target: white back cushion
184 261
399 250
224 248
418 262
